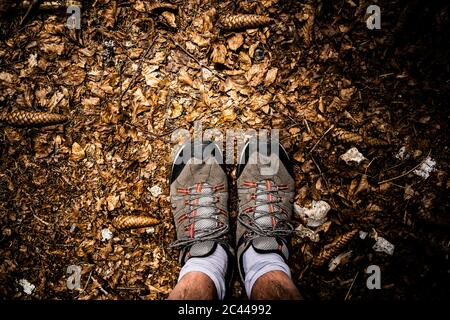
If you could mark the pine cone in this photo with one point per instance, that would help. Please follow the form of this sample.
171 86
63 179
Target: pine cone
370 141
332 249
26 118
149 7
74 3
346 136
131 222
244 21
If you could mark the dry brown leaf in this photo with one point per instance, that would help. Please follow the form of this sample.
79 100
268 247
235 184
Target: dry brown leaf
150 75
260 101
199 40
140 98
219 54
170 18
177 109
109 15
255 76
235 41
78 152
90 102
112 202
159 58
184 77
270 76
228 115
55 100
73 76
321 105
346 94
7 77
245 62
53 46
251 50
135 53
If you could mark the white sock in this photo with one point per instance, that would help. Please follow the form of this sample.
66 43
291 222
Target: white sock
214 266
257 264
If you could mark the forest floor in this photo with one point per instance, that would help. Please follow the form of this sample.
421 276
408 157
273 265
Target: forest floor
132 76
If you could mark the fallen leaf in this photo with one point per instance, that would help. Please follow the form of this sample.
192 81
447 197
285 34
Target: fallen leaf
228 115
78 152
219 54
184 77
170 18
235 41
270 76
177 109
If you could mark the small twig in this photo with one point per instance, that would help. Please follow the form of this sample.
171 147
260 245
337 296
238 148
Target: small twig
39 219
318 141
87 282
214 72
365 172
407 172
30 7
307 125
351 286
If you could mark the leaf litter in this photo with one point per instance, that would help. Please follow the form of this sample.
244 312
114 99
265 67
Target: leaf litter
137 71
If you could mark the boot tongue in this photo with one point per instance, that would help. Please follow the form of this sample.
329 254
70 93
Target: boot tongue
202 249
263 219
270 244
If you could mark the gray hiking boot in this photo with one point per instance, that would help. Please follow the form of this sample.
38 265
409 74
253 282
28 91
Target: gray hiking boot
266 200
199 198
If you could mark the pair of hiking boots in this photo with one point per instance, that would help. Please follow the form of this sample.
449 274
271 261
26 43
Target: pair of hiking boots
199 199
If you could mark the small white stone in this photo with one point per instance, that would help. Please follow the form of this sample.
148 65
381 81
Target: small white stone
426 168
382 245
352 155
28 287
401 154
314 216
155 191
106 234
363 235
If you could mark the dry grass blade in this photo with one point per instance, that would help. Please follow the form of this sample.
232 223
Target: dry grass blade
125 222
27 118
244 21
330 250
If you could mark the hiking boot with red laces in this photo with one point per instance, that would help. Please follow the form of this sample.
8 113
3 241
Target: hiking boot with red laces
199 196
266 194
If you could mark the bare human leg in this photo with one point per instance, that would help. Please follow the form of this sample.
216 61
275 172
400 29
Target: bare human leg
275 285
194 286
